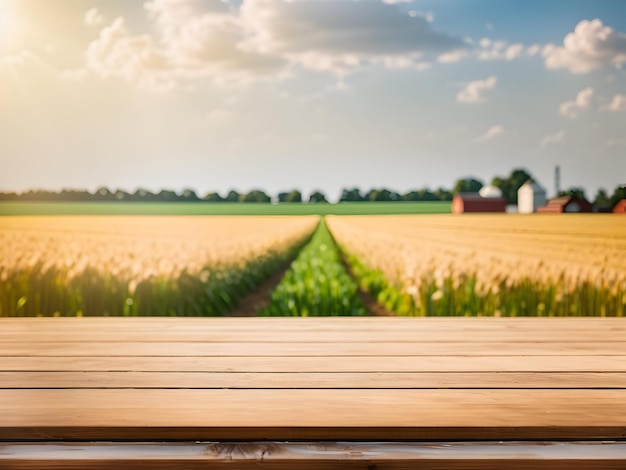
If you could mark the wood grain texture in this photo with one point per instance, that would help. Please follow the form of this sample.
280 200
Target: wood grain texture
314 349
316 455
503 363
259 413
316 378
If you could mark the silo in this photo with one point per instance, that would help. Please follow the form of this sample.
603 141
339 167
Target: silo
530 196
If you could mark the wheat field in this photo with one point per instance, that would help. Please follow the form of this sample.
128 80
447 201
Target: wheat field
129 265
490 264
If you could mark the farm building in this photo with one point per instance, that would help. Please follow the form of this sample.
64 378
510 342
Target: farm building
530 197
488 199
620 207
566 204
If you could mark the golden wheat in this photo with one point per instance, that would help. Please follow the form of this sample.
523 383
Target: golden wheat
69 257
552 258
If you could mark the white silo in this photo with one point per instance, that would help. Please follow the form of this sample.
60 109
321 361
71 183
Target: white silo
530 196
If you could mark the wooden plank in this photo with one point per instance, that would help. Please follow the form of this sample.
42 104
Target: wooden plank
395 329
317 455
130 414
308 380
329 324
236 348
208 335
318 364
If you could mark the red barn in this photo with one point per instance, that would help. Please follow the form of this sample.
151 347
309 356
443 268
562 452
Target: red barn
564 204
620 207
474 202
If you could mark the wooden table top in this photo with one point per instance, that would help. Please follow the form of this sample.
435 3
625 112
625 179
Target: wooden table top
370 379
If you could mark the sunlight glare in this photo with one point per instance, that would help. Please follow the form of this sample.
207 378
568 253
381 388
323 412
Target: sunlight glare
6 20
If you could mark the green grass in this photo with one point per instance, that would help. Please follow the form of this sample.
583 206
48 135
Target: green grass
316 284
206 208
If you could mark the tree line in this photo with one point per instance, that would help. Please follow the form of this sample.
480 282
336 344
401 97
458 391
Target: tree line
507 184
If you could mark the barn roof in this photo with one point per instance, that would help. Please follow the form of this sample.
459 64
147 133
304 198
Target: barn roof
476 197
560 201
565 200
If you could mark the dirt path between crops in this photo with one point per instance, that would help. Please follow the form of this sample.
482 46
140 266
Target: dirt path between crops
369 302
259 298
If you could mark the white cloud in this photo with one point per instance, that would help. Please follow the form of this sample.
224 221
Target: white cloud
228 44
590 46
513 51
491 134
427 15
452 56
617 104
583 100
490 49
474 91
195 40
553 139
348 35
205 39
533 50
93 17
118 54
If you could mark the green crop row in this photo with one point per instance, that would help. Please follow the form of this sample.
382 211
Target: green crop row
317 283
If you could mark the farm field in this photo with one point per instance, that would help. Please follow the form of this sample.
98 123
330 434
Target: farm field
121 265
502 265
489 264
207 208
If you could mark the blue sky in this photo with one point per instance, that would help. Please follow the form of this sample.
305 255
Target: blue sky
311 94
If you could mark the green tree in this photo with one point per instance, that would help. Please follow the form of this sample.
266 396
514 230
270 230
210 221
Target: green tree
213 197
143 195
189 195
351 195
618 195
443 194
103 194
467 185
411 196
382 195
233 196
167 195
294 196
574 191
317 197
122 195
256 195
426 195
510 185
291 196
602 199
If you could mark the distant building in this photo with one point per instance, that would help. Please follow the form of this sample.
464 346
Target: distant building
620 207
530 197
488 199
567 204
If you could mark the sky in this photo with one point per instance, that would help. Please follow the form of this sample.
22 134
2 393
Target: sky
310 94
